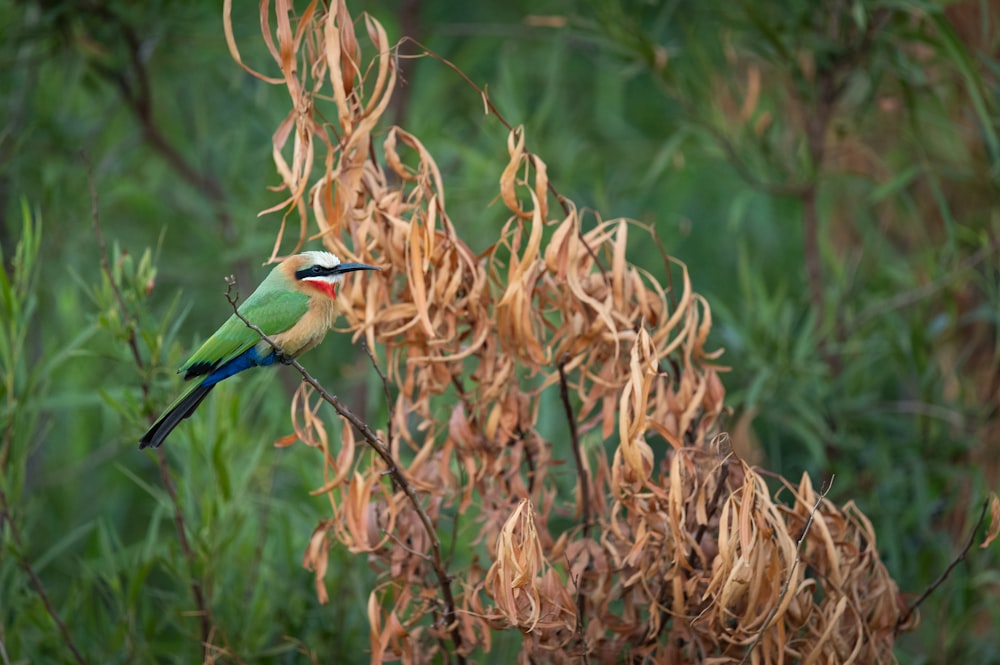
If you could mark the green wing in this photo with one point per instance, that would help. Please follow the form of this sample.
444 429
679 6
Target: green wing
273 310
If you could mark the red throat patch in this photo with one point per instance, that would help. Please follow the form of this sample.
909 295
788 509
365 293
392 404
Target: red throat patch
323 286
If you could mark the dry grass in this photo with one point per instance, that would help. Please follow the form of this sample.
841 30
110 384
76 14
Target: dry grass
681 552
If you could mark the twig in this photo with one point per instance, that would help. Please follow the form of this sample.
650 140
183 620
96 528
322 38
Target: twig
199 598
581 474
791 573
666 264
574 436
693 556
529 458
20 554
132 81
913 296
392 469
36 582
258 548
811 251
385 389
129 320
947 571
785 188
446 655
503 121
714 505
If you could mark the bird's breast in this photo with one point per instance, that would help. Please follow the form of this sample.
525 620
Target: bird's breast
310 329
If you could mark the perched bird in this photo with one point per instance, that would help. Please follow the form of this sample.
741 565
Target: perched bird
294 306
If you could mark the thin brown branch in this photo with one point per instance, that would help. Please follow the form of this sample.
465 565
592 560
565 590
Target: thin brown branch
817 120
19 552
947 571
445 654
666 263
204 617
409 24
574 437
36 582
791 574
581 474
129 321
529 458
385 389
133 83
913 296
747 172
488 103
713 506
831 82
127 317
812 253
262 537
393 470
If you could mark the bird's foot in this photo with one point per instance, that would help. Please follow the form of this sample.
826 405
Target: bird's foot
283 358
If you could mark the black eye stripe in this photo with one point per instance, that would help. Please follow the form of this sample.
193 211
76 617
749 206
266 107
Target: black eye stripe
314 271
320 270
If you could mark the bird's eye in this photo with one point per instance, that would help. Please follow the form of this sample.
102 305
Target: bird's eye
316 270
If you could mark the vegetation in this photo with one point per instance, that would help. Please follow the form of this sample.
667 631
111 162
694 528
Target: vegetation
828 175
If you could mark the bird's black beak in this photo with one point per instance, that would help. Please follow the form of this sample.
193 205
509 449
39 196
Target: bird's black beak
351 267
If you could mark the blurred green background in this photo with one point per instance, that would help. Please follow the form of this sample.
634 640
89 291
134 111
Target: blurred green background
829 171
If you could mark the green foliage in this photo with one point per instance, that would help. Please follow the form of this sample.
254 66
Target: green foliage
18 307
107 529
877 376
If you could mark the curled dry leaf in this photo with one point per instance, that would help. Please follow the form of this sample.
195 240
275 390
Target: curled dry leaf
523 585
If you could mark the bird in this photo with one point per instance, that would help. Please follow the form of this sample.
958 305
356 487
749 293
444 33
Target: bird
293 306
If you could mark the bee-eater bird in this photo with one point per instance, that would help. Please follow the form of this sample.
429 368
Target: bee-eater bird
293 306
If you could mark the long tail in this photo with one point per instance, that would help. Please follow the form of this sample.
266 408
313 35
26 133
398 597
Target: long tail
177 412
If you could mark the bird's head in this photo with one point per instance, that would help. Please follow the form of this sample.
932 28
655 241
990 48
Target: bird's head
321 270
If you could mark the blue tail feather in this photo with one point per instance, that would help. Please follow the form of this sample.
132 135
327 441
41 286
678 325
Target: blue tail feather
186 405
246 360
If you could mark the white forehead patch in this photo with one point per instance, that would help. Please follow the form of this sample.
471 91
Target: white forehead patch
324 259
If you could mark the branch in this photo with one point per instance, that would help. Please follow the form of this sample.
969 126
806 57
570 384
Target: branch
385 389
913 296
129 321
393 470
132 82
36 582
947 571
127 318
581 474
713 506
204 617
491 109
574 436
788 578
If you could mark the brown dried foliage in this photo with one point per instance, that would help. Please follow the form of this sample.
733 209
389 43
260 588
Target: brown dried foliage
677 552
